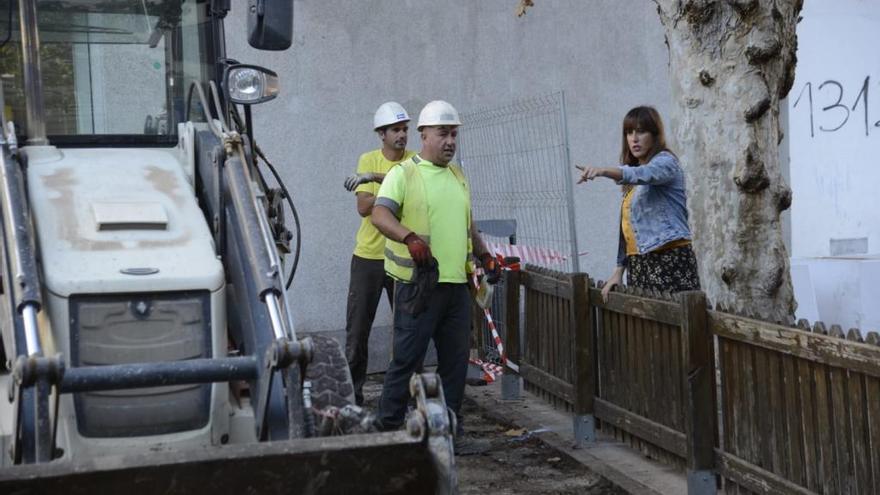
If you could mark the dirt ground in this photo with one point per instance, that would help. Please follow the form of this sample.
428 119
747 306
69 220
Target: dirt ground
509 460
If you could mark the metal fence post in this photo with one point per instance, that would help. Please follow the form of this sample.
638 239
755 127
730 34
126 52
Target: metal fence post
698 352
511 381
584 356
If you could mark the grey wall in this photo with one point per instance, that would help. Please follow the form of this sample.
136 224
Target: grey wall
350 56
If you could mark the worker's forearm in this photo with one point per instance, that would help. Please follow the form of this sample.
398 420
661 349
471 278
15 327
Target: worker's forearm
477 240
387 224
365 204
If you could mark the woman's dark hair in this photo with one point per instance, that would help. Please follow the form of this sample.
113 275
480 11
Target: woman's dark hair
646 119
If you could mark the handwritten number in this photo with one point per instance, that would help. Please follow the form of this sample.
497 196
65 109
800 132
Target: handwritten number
809 88
863 94
835 105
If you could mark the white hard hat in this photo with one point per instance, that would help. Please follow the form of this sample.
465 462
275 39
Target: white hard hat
389 113
438 112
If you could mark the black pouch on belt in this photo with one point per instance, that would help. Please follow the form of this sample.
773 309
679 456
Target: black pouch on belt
414 296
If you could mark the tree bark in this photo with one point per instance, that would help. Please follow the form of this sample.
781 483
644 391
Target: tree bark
732 61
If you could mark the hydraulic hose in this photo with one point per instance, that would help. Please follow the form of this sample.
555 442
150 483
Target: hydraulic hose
292 209
287 198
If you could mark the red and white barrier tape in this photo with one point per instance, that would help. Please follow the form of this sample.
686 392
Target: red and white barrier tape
491 323
491 371
528 254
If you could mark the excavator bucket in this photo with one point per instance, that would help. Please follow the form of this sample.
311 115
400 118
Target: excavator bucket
380 463
418 459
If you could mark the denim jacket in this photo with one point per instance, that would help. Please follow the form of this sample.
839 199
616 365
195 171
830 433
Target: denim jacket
658 211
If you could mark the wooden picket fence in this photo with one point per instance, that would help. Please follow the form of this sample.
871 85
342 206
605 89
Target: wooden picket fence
767 408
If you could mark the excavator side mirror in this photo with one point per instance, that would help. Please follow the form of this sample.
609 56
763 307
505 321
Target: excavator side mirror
270 24
250 84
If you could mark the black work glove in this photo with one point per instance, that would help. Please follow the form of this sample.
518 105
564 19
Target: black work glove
352 182
491 268
418 248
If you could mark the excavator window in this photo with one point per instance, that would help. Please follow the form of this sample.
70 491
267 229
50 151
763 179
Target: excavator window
109 69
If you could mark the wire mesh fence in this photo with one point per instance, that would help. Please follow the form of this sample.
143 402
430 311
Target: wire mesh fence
516 159
484 340
517 162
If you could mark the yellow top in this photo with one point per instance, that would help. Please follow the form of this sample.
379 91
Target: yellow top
441 194
626 225
370 243
629 234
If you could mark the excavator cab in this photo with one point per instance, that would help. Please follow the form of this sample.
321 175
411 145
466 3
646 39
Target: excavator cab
148 342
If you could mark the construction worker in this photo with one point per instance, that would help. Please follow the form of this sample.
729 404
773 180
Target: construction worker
368 278
424 210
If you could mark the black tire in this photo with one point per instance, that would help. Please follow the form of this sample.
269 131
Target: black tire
329 374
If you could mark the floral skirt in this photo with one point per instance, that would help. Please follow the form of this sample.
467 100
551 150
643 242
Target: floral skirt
672 270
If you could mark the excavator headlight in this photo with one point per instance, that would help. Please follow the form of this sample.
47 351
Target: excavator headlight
250 84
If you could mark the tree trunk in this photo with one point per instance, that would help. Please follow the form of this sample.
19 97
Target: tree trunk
732 62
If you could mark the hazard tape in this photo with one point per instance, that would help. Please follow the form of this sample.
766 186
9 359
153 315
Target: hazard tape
528 254
491 323
491 371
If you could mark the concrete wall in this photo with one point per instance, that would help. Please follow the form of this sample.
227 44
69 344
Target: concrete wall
348 57
834 132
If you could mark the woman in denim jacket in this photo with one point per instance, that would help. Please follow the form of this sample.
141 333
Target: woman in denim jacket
655 241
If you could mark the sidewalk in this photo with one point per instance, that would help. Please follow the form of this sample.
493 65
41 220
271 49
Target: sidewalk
616 462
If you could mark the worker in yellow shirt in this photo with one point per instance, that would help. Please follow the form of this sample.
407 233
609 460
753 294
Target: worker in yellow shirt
368 278
424 210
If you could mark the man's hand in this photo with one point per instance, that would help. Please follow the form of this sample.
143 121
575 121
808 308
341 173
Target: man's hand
491 268
418 248
355 180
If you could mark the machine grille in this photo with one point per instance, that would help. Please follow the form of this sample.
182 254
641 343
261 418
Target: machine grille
140 328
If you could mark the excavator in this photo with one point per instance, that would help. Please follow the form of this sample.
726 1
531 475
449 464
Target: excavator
148 344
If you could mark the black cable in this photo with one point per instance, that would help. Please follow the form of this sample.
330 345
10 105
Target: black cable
8 25
292 209
237 120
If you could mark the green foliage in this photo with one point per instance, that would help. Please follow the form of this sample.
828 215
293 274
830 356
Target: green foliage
58 85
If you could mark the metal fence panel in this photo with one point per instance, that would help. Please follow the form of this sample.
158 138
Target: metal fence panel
516 158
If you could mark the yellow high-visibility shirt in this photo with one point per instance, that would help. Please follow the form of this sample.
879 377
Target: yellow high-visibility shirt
447 202
370 243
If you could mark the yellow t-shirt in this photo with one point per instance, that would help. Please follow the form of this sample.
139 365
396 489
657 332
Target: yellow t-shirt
447 215
370 243
629 234
626 225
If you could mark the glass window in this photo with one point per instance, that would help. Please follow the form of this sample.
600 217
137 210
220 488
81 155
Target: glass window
109 68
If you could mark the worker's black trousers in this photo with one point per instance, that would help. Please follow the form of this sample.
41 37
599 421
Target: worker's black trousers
368 280
447 320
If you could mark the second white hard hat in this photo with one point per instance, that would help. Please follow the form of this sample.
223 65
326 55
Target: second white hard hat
389 113
438 112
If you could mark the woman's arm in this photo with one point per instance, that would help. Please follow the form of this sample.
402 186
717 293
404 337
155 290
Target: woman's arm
660 170
590 173
615 279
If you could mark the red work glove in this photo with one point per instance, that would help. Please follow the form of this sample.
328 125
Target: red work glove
418 248
491 268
